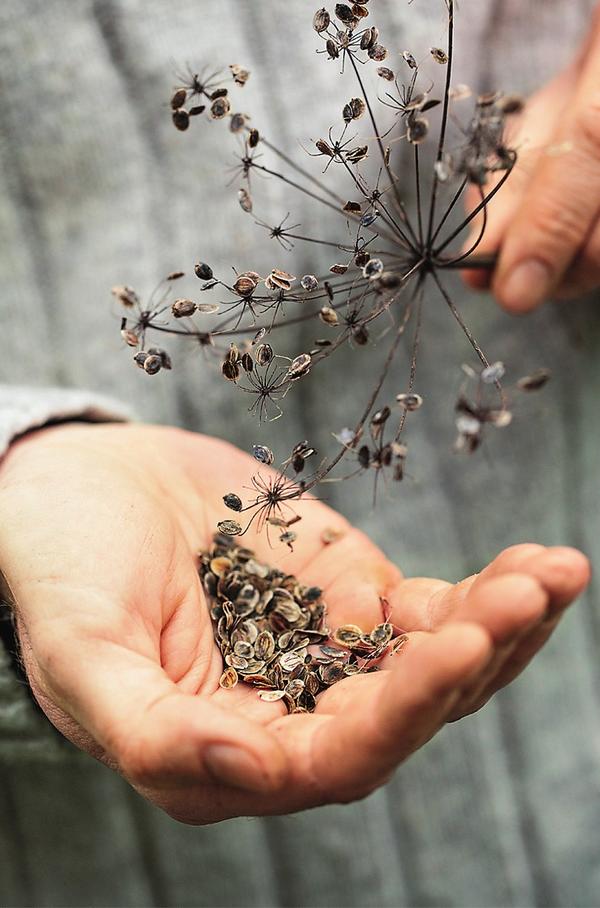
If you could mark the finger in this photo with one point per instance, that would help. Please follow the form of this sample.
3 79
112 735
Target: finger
583 274
560 574
157 735
508 607
357 749
560 206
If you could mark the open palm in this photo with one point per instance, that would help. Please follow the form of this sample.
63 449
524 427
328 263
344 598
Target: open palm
100 531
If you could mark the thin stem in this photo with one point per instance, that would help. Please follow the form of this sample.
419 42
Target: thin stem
444 124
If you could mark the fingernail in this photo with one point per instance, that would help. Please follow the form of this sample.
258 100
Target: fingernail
234 766
526 286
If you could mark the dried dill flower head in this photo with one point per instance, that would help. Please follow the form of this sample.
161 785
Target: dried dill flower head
384 262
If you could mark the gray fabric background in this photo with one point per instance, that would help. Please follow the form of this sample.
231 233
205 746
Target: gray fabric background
98 188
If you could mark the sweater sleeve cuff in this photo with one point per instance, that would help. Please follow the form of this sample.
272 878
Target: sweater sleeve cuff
23 409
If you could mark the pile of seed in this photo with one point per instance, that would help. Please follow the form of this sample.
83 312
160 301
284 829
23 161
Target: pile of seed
271 630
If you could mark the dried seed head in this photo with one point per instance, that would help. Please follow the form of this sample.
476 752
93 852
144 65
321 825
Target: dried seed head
321 20
182 308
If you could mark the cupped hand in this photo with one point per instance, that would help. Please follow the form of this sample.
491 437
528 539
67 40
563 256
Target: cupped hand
100 530
545 221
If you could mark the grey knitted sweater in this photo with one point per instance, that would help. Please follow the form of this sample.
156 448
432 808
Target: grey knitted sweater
96 189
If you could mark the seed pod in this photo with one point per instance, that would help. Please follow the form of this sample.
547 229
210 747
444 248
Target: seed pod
380 417
247 362
229 527
410 401
228 679
220 107
359 11
231 371
263 454
344 13
271 695
165 359
181 119
369 38
203 271
126 296
535 381
332 49
440 56
418 128
245 285
152 363
360 335
369 218
324 148
492 374
233 501
129 336
309 282
240 75
183 308
358 154
300 365
364 456
178 98
361 258
263 354
329 316
140 358
352 207
321 20
409 59
237 122
175 275
338 269
385 73
354 109
253 138
197 110
372 269
245 200
378 53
